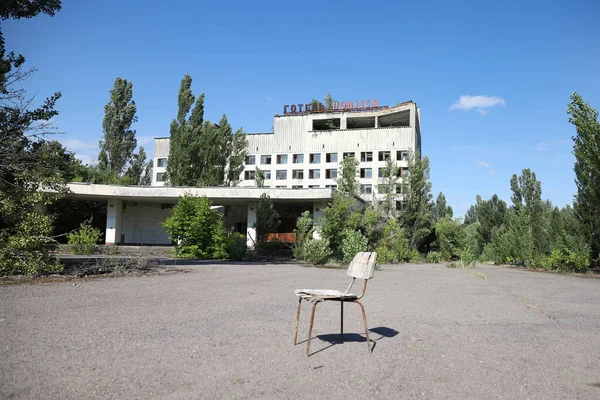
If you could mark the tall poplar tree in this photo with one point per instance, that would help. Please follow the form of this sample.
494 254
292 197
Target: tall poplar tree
587 168
119 143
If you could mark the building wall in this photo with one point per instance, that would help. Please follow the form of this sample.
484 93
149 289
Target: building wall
141 223
294 134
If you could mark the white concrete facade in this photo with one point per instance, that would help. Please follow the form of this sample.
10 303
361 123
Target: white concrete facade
134 214
304 153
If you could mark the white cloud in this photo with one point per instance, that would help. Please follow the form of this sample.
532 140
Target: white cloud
268 98
483 164
542 146
477 103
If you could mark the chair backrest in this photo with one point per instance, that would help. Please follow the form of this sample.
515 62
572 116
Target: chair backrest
363 265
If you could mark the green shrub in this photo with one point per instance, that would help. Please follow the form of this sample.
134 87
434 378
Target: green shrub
237 246
317 252
85 239
274 248
564 259
384 255
416 257
353 242
197 229
433 257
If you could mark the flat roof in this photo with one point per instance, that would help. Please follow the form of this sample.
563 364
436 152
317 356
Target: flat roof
170 194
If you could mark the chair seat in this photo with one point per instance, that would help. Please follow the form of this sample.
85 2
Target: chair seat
324 294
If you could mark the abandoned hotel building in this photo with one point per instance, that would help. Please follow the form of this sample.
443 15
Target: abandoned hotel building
299 159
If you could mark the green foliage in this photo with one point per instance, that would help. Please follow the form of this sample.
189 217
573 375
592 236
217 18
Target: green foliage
449 237
472 242
372 224
512 243
303 231
119 143
415 214
564 259
390 183
202 153
317 251
267 218
353 242
527 193
440 209
273 249
237 246
434 257
341 214
259 177
587 170
197 229
85 240
347 181
393 246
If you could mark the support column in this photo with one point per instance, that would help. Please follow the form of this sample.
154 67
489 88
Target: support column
114 217
250 230
376 121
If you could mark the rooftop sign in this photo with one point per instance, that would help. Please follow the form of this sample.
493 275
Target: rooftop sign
361 105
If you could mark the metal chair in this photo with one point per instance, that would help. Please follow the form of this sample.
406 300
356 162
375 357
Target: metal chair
361 267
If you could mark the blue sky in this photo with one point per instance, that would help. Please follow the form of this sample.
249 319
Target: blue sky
251 58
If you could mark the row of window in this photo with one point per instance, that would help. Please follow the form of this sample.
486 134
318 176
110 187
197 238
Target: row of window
364 189
316 173
315 158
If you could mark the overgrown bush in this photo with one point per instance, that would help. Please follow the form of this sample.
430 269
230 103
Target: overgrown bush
25 250
197 229
393 247
85 239
274 248
434 257
237 246
564 259
353 242
304 228
317 251
449 237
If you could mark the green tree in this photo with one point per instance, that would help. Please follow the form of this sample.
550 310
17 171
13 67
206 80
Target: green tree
267 218
415 213
341 214
390 183
347 182
449 237
259 177
119 143
237 154
440 208
527 193
197 229
586 149
24 229
137 170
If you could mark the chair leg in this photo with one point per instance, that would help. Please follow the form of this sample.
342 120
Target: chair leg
297 320
312 319
366 327
342 321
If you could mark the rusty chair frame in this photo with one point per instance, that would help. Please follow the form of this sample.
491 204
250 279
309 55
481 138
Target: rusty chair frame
361 267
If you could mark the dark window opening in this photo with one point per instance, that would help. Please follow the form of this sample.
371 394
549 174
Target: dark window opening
326 124
360 123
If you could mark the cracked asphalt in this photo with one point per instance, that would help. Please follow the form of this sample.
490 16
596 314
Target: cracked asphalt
226 331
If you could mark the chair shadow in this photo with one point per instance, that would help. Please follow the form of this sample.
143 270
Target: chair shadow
335 338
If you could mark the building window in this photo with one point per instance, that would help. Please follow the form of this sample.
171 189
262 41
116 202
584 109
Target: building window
161 162
314 158
298 158
314 186
366 156
331 173
366 189
384 155
314 173
281 187
266 173
403 171
282 159
366 172
281 174
296 186
297 174
331 186
265 159
381 173
249 175
349 154
250 160
161 177
331 157
402 155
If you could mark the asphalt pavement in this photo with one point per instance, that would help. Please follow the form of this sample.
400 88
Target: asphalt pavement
226 331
